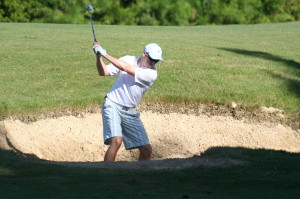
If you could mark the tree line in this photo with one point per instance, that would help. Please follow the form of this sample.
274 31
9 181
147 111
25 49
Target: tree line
151 12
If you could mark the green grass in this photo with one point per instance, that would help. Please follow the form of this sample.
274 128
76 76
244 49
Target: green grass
48 66
266 174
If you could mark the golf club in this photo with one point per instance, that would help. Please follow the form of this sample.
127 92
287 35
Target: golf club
90 8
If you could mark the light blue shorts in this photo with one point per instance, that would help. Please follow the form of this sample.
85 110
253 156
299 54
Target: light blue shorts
119 121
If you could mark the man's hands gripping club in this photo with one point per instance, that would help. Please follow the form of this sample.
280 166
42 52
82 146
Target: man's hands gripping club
102 68
98 49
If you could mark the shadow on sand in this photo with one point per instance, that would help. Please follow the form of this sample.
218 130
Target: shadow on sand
215 157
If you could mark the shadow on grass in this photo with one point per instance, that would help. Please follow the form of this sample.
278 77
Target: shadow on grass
267 56
293 84
267 174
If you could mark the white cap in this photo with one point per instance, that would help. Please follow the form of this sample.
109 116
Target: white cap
154 51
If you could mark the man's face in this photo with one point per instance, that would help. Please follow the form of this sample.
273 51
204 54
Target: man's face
145 54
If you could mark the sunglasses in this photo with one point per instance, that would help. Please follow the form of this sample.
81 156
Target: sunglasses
153 60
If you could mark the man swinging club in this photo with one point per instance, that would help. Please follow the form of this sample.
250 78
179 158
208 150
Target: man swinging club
121 121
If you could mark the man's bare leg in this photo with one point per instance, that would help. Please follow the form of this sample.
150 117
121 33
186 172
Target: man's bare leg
145 152
111 152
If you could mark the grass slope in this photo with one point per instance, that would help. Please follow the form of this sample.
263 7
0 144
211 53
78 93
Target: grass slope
48 66
266 174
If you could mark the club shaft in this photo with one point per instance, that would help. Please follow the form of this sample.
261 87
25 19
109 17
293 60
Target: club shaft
91 20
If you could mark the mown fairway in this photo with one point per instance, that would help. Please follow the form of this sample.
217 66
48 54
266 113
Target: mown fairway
47 66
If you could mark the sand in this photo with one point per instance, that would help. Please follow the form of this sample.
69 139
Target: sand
172 135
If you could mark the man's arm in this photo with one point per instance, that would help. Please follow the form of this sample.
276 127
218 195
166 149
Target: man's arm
124 66
102 68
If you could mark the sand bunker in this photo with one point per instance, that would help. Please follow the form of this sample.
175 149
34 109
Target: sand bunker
173 135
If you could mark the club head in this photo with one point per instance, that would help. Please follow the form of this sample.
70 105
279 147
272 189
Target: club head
90 7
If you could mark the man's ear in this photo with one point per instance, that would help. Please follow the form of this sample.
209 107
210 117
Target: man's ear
144 53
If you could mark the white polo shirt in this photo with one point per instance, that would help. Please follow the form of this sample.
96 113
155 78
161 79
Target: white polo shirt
128 89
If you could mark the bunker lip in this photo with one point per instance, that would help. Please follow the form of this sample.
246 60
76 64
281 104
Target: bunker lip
169 164
234 110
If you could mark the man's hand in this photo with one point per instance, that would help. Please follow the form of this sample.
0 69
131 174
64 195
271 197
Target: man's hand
99 50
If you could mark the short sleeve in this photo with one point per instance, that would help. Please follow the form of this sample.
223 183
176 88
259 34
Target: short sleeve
145 76
112 70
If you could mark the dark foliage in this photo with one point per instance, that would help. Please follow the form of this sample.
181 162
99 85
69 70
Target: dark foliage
151 12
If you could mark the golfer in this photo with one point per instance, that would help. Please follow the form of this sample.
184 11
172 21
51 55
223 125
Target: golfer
121 121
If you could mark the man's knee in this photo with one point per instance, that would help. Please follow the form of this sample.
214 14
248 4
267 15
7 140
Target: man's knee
116 141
